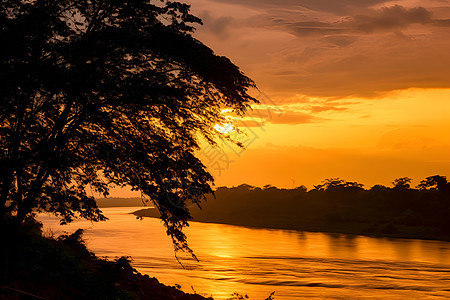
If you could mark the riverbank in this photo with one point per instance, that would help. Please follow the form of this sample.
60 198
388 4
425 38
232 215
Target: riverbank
38 267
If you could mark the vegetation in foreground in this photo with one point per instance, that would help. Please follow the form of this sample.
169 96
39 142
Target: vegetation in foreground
337 206
38 267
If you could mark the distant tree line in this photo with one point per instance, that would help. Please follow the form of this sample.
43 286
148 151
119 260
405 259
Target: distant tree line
337 205
436 182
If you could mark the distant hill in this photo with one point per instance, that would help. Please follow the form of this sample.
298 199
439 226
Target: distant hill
338 207
119 202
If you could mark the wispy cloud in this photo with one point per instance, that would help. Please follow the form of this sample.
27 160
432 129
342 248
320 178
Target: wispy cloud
331 6
391 18
217 25
327 48
317 109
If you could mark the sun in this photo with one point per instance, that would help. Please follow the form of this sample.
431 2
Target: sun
224 128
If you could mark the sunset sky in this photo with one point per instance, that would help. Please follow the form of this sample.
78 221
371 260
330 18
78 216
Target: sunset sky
357 89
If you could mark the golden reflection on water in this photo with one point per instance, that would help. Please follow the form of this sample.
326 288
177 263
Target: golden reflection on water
294 264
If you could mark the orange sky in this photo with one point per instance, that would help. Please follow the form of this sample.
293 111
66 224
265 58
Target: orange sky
357 89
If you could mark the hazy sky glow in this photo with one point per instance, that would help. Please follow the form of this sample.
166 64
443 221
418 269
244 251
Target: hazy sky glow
363 87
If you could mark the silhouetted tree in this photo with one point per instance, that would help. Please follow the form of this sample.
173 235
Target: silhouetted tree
269 186
97 93
300 188
434 182
378 188
402 183
246 187
335 183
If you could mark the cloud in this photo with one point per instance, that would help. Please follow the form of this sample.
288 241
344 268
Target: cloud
290 117
248 123
218 26
340 40
391 18
442 23
318 109
294 118
331 6
338 49
314 28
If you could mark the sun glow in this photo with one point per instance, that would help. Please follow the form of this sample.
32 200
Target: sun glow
224 128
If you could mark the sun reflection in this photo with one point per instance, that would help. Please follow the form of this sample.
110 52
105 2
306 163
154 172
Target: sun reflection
257 261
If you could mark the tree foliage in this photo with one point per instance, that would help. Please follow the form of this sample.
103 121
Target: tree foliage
97 93
436 182
337 183
402 183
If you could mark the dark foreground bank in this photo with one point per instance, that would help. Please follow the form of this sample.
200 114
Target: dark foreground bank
37 267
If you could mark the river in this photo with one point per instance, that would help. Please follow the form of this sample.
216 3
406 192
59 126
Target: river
295 265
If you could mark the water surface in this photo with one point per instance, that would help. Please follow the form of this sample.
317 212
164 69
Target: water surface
296 265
